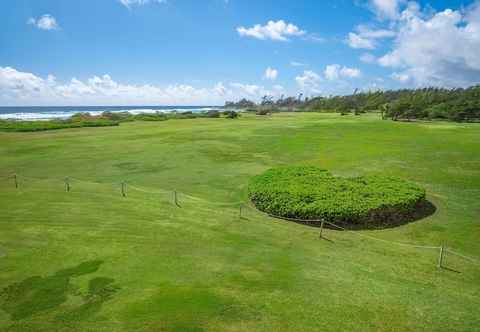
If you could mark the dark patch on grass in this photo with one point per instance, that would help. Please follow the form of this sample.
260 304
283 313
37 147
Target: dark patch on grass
176 308
100 290
39 294
28 149
139 168
129 166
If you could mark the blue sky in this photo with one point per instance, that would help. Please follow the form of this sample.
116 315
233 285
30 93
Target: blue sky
199 52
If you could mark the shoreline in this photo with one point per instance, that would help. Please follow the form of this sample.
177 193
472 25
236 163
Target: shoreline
64 113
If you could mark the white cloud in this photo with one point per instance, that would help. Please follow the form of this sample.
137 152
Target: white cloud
45 22
252 90
335 72
403 78
350 72
17 82
367 32
366 38
270 74
388 9
129 3
357 41
332 72
220 89
278 31
23 88
309 81
440 49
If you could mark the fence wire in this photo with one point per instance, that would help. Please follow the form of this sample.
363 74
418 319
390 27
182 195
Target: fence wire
174 196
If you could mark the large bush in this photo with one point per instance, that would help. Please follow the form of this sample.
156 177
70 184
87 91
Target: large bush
231 114
310 193
264 111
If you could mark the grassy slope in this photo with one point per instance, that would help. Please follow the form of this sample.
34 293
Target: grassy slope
92 260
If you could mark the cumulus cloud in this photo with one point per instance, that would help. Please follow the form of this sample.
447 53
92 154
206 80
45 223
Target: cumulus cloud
45 22
277 31
334 80
309 81
254 91
270 74
129 3
354 40
23 88
366 38
403 78
439 49
388 9
335 72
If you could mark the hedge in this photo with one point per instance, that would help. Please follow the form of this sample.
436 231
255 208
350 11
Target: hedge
311 193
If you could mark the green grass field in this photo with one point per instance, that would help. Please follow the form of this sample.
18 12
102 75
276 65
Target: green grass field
92 260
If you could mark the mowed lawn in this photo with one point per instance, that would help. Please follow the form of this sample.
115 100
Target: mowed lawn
92 260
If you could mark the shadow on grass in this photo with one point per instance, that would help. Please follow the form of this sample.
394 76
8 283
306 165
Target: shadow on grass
326 239
39 294
423 209
450 269
380 221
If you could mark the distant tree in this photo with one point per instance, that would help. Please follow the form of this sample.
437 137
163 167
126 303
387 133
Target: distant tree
231 114
384 109
264 111
267 101
399 108
243 103
425 103
213 114
344 108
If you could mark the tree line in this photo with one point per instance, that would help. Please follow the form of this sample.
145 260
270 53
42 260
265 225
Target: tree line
460 104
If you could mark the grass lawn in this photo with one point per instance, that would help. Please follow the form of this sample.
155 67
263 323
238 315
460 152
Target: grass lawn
92 260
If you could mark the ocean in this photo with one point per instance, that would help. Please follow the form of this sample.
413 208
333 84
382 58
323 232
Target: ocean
64 112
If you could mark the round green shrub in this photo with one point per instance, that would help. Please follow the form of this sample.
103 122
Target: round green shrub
311 193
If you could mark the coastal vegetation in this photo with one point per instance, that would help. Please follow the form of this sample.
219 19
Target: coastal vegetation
106 119
25 126
459 105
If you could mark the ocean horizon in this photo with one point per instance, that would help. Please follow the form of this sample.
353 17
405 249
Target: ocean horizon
39 113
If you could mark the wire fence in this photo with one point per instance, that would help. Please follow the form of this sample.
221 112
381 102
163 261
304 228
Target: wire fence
319 221
124 189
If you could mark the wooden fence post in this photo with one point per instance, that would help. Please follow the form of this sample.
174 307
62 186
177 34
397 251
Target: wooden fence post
16 180
123 189
441 256
240 211
67 184
175 198
321 228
